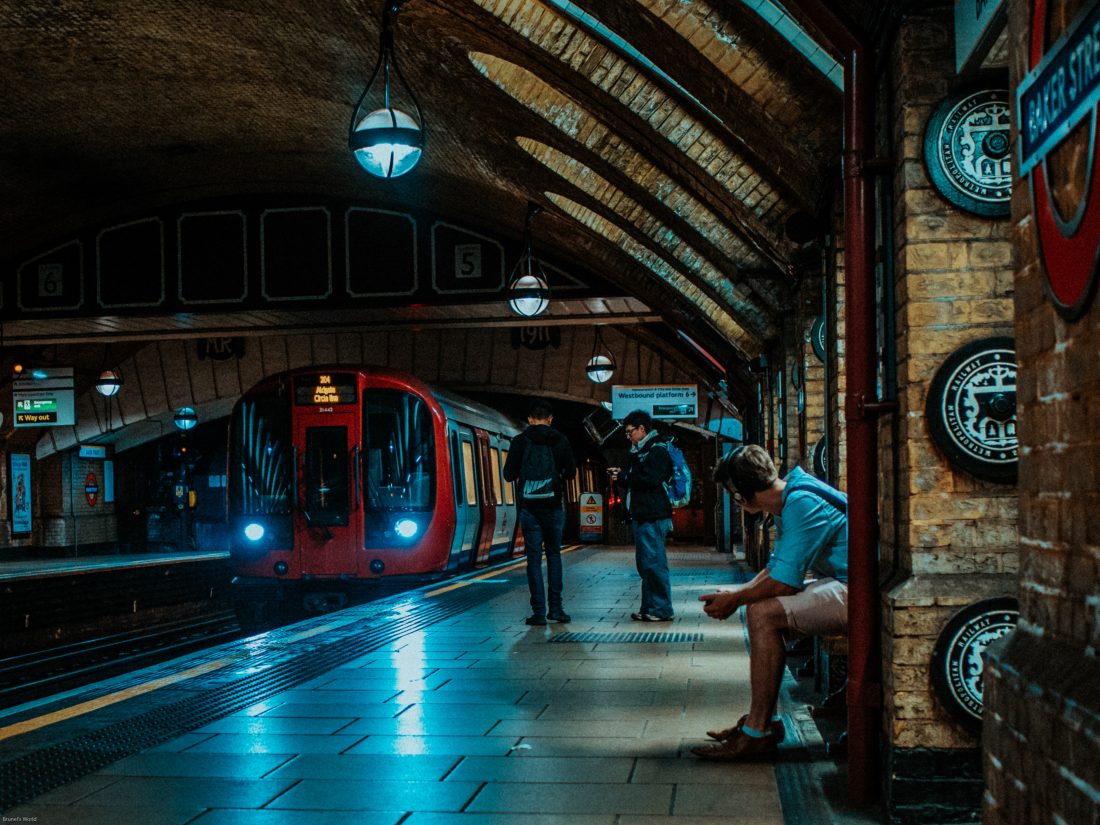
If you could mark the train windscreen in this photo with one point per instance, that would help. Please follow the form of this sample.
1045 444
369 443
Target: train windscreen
398 462
260 462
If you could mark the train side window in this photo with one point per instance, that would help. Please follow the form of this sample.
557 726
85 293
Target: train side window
509 488
456 468
494 461
469 473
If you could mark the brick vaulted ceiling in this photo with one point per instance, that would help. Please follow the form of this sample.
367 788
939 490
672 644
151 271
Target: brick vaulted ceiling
669 140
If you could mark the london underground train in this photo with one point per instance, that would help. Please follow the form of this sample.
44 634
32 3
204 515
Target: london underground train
346 478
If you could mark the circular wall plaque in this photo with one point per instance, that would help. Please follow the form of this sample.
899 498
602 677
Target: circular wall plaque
957 657
971 409
967 151
821 459
817 337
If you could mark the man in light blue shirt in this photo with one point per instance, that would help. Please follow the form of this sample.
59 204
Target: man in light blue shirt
811 535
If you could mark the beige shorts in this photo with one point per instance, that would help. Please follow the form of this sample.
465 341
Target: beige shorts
819 610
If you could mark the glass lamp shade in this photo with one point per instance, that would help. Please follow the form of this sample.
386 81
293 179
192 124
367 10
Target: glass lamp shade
185 418
387 142
600 368
109 383
529 296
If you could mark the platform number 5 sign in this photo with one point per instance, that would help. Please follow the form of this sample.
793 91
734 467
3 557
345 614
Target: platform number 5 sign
468 260
49 280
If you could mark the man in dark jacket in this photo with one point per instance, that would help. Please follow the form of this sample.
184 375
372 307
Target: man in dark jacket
650 513
540 460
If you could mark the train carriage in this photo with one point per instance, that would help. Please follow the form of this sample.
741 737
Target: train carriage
346 478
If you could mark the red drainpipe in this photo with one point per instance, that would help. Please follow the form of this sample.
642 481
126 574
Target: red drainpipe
864 644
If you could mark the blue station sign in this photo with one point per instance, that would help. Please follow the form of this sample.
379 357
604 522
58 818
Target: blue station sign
1061 91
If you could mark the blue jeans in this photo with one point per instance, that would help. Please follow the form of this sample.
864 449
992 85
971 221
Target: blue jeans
542 533
649 555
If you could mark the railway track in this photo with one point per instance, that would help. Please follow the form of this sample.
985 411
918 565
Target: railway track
30 676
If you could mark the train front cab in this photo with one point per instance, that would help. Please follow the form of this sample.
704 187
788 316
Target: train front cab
339 479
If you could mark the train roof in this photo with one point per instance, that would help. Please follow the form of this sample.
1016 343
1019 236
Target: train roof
461 409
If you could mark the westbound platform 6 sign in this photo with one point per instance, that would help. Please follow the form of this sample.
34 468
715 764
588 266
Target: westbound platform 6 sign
44 398
673 401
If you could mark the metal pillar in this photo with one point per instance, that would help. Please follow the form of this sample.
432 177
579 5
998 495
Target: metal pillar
860 408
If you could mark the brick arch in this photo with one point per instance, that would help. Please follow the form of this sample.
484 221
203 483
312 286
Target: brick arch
169 374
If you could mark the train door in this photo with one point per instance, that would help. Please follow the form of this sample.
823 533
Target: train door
469 510
488 498
328 526
505 520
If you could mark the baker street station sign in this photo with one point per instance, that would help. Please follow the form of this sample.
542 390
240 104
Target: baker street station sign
1059 94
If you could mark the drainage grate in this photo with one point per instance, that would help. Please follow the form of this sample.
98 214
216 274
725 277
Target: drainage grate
628 638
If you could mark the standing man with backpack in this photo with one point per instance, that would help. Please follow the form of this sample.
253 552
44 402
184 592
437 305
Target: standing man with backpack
650 510
540 460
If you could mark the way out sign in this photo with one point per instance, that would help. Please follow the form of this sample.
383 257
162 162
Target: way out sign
591 522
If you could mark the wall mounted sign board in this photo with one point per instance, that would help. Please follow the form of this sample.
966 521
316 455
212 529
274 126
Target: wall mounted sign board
821 459
977 24
817 338
971 409
957 663
665 402
1058 102
967 151
21 505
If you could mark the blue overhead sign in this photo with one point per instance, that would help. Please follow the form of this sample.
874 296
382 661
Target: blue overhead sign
1061 91
977 25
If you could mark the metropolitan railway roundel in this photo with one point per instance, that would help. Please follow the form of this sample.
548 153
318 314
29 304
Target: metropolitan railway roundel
957 664
971 409
1058 102
967 151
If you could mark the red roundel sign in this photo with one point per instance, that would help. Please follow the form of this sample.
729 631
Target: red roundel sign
91 489
1057 102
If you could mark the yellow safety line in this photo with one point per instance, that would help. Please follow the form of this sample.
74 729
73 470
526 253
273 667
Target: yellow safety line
148 687
29 725
496 571
103 701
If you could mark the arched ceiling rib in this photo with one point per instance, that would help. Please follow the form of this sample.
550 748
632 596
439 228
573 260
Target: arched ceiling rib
680 135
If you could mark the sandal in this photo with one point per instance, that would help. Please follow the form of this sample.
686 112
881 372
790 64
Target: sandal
777 729
740 748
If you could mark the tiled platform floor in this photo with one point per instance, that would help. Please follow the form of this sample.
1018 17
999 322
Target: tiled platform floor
480 719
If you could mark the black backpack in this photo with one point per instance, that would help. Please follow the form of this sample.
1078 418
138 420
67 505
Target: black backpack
539 472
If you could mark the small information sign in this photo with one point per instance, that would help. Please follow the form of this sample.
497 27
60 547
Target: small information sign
591 521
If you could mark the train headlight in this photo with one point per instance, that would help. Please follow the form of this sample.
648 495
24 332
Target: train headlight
406 528
254 531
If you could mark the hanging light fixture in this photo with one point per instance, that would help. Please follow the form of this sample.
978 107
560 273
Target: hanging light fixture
185 418
601 366
529 288
386 141
108 383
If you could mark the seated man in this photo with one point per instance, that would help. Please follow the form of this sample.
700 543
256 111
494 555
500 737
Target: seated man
811 534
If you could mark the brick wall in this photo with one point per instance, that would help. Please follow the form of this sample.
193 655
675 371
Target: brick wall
65 518
950 538
1041 734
